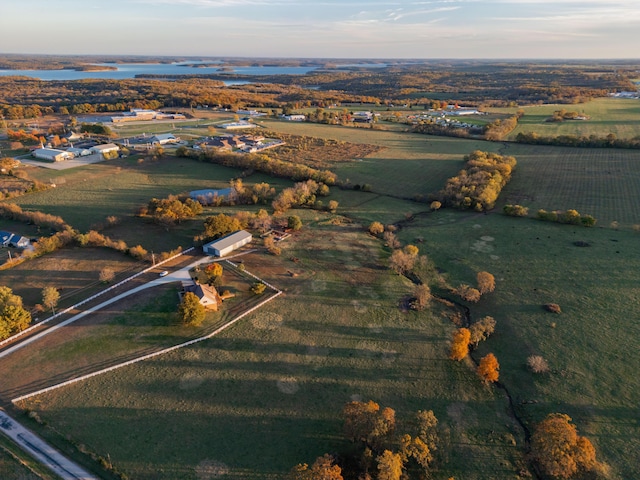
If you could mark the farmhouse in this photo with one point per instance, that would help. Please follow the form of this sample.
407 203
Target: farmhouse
228 243
18 241
295 118
5 237
106 148
208 296
51 154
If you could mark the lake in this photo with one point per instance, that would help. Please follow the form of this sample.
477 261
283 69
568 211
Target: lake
130 70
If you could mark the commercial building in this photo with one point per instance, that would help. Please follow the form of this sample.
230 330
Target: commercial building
51 154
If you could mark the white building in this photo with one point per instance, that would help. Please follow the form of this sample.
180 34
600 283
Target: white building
79 152
51 154
106 148
228 243
236 125
295 118
163 139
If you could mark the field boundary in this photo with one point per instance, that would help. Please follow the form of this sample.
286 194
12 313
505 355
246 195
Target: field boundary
86 300
159 352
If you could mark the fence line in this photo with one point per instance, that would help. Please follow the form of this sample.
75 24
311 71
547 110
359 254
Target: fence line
148 356
93 297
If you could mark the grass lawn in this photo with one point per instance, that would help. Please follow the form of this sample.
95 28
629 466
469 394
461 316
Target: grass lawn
599 182
607 115
267 394
17 465
589 346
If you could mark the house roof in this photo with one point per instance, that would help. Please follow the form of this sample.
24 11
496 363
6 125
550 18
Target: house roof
204 292
106 146
164 136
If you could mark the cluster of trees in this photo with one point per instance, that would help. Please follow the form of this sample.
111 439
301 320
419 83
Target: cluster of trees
479 184
190 311
261 163
171 210
572 217
12 211
499 129
592 141
384 449
13 317
562 115
515 210
220 225
463 338
300 195
96 129
486 283
430 128
241 194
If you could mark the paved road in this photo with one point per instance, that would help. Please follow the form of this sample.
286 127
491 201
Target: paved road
42 451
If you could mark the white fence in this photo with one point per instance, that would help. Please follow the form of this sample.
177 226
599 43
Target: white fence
93 297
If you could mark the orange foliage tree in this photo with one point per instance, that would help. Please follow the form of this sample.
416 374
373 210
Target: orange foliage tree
486 282
366 422
323 468
488 368
460 344
558 450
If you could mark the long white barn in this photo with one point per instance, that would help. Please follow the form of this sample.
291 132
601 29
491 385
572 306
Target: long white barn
228 243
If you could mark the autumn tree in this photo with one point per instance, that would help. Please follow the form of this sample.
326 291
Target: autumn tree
213 271
486 282
416 450
425 428
558 450
482 329
376 228
389 466
332 206
13 317
537 364
218 226
270 245
50 298
468 293
258 288
191 312
294 222
403 261
460 344
107 275
435 205
138 252
421 297
324 468
488 368
365 422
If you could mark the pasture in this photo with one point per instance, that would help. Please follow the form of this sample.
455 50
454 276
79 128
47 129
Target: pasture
606 115
600 182
409 164
590 346
85 196
267 393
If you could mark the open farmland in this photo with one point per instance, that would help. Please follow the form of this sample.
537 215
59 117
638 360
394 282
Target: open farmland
599 182
84 197
606 115
267 394
408 165
590 346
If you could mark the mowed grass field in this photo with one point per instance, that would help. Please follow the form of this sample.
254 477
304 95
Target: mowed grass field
607 115
590 347
602 182
267 393
409 165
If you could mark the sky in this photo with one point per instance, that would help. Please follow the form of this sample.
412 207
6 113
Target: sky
490 29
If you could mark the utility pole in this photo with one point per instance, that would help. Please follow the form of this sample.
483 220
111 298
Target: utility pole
153 258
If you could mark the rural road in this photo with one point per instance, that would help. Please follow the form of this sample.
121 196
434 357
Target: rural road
43 452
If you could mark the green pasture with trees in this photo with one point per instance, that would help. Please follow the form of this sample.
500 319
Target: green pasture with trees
349 328
603 116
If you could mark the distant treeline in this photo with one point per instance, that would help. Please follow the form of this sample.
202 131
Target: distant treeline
592 141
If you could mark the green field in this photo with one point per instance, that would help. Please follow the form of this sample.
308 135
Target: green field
86 196
599 182
409 164
591 349
267 394
606 115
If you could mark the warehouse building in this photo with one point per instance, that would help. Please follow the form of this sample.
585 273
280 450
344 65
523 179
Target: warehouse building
228 243
51 154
